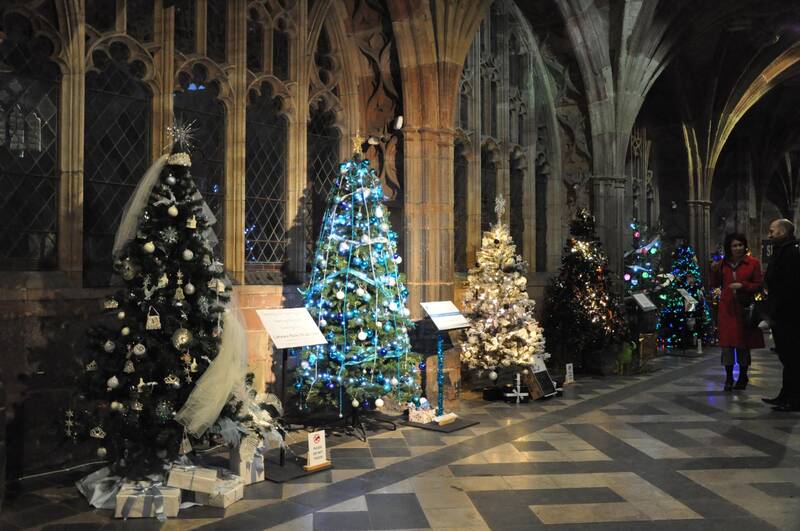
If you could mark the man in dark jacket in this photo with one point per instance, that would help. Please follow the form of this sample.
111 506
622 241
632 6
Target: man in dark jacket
783 287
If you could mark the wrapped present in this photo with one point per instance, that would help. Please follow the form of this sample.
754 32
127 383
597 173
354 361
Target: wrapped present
194 478
420 415
247 461
227 490
147 500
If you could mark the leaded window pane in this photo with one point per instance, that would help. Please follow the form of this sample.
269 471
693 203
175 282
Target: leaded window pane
29 90
265 201
488 188
280 52
116 151
323 163
255 43
140 19
460 182
101 14
517 217
541 219
216 16
185 14
197 102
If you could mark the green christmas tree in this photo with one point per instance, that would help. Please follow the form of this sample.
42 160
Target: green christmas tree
679 325
357 297
504 332
581 314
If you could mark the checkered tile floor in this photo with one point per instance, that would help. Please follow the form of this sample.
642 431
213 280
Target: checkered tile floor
668 449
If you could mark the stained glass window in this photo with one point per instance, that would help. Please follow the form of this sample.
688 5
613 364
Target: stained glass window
140 19
116 151
216 17
185 13
460 185
280 51
541 217
517 218
197 102
265 201
488 188
323 162
101 14
29 90
255 42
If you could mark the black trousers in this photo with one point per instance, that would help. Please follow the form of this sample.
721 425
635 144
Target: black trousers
787 343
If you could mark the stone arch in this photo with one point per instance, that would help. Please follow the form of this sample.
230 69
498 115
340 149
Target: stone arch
215 73
279 89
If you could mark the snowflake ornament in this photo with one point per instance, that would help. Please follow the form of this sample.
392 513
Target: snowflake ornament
170 235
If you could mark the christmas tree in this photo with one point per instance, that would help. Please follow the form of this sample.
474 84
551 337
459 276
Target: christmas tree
140 372
679 323
504 332
357 297
641 261
581 315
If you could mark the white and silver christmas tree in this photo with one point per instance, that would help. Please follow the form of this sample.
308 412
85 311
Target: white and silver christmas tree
504 332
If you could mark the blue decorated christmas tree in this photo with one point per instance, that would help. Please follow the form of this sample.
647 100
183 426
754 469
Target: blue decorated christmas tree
679 323
358 298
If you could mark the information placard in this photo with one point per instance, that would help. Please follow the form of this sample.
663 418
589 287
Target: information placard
445 315
317 452
570 374
291 327
644 302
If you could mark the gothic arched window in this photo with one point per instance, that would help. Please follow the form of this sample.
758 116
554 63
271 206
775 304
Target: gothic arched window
197 102
460 178
116 151
29 90
216 20
265 191
139 19
488 188
517 189
323 163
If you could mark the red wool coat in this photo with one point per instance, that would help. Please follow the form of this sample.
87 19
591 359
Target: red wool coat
732 332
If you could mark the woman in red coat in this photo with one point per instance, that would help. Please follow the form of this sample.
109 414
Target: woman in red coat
739 276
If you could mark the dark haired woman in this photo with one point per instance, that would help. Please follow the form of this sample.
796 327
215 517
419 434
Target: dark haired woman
739 277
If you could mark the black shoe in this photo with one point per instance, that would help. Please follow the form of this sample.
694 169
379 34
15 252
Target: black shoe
786 407
741 383
777 401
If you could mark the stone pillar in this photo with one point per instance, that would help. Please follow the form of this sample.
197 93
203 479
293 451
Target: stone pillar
608 203
235 132
71 125
700 232
429 215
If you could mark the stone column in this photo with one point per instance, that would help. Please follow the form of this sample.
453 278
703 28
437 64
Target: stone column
71 125
429 215
700 232
235 131
608 202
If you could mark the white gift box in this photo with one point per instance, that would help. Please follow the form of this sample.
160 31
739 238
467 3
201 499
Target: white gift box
421 416
142 500
250 470
194 478
227 491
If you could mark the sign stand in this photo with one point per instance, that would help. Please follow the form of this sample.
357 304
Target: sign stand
290 328
445 316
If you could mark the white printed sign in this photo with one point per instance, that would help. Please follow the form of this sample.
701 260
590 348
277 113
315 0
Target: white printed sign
644 302
538 363
291 327
317 454
445 315
570 376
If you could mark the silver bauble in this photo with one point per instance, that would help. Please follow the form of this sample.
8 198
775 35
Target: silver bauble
139 349
171 180
102 452
149 247
188 288
187 254
112 383
172 211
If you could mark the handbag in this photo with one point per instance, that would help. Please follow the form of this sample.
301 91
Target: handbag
752 314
